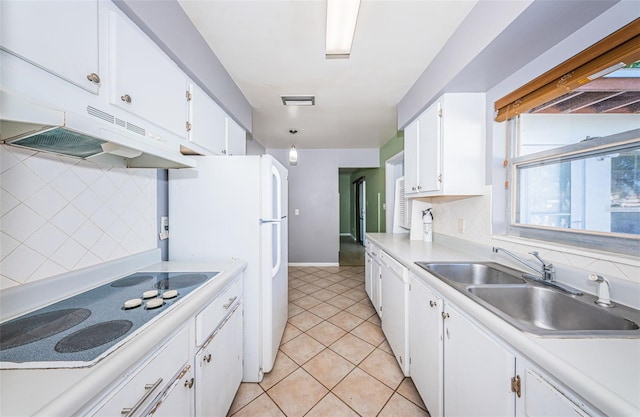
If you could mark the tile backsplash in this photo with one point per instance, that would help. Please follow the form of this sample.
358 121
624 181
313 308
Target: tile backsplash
59 214
476 212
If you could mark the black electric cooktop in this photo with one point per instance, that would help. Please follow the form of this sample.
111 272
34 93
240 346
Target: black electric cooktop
83 327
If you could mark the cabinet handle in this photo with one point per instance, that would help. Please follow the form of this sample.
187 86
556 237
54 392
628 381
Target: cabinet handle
440 178
94 78
230 302
516 386
207 358
188 126
149 388
445 315
126 98
419 187
432 303
189 383
413 188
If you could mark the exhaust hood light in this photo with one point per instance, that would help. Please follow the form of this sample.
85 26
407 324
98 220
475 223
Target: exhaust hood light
119 150
298 100
341 26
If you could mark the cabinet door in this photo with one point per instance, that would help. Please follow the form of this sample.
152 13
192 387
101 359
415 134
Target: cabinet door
477 370
208 122
426 344
376 286
236 138
178 399
368 265
543 399
219 368
143 80
60 37
411 158
429 149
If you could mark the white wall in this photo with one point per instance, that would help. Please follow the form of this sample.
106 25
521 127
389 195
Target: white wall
313 190
60 214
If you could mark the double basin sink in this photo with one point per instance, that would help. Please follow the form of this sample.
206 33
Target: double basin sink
534 308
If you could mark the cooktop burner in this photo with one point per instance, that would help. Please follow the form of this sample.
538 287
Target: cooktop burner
93 336
180 281
81 328
131 281
33 328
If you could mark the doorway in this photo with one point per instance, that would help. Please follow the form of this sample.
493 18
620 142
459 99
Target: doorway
360 188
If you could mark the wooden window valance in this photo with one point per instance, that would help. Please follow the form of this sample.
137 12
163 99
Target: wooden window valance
619 49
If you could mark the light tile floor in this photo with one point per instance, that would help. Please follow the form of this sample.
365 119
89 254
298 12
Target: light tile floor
334 360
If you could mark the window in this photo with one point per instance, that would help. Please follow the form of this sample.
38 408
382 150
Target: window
575 149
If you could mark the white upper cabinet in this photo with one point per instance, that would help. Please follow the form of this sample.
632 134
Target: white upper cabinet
236 138
60 37
445 147
143 80
207 122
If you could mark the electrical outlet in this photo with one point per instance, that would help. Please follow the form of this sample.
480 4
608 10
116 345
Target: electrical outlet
461 226
164 227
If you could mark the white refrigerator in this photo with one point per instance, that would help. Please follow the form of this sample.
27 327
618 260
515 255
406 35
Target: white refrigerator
236 207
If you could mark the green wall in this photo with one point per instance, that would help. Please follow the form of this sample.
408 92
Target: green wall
344 189
375 184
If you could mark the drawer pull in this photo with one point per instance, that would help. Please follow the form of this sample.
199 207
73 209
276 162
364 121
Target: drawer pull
189 383
230 302
207 358
149 388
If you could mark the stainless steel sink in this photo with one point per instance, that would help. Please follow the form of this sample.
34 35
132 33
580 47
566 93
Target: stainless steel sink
532 307
473 273
536 308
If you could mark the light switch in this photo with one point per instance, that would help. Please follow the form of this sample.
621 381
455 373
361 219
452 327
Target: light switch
296 212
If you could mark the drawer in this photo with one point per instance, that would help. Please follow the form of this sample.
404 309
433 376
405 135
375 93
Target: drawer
213 314
150 379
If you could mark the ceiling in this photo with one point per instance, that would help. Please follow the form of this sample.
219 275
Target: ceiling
276 47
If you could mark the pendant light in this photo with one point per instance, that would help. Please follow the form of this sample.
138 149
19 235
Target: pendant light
293 152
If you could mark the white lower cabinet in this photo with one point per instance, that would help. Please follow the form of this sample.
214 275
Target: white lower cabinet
426 344
477 370
140 392
219 368
545 398
462 369
373 277
395 320
177 400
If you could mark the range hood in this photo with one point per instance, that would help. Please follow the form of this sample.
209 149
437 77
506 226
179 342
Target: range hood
97 136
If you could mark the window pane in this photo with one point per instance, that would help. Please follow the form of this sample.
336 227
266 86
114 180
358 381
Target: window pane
598 193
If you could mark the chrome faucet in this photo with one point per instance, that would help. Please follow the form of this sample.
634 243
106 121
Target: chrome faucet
546 275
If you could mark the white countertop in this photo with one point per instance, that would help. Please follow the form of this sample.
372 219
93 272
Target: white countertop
61 392
605 372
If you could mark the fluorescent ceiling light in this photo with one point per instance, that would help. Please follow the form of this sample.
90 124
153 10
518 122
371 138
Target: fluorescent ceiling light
299 100
341 25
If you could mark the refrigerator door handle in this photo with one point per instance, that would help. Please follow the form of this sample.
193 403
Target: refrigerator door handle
263 221
276 267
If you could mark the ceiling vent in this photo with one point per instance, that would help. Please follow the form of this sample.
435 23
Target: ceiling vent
299 100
